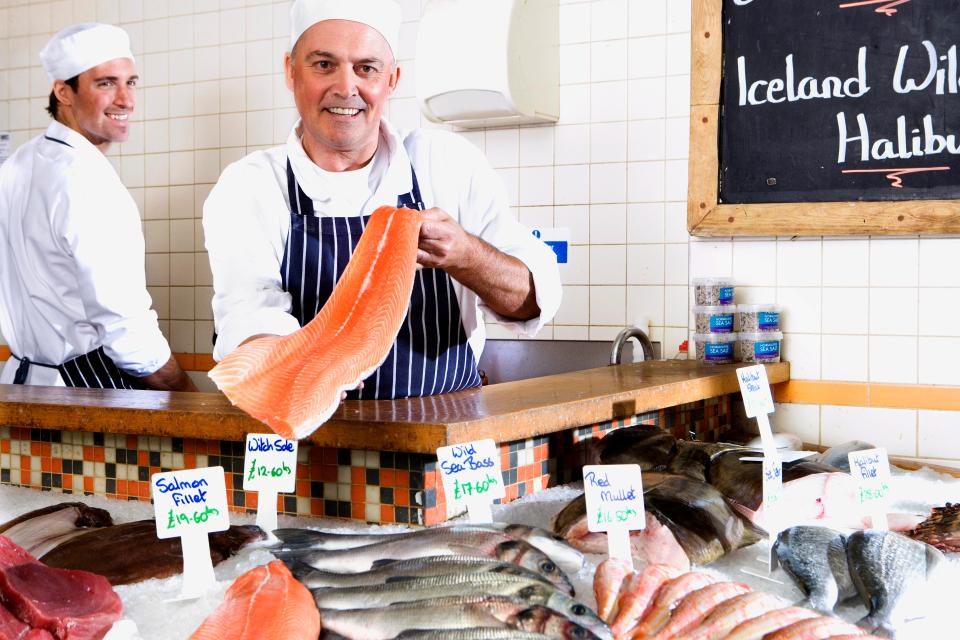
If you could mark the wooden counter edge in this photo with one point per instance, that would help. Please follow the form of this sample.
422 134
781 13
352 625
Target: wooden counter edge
208 422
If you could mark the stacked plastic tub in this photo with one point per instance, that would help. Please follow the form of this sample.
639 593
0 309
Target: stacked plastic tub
726 332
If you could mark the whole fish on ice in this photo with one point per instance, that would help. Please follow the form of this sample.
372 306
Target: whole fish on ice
816 559
41 530
450 613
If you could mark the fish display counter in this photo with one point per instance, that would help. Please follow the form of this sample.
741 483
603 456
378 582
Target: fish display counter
373 461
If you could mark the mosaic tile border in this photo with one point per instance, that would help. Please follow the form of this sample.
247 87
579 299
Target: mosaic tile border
368 486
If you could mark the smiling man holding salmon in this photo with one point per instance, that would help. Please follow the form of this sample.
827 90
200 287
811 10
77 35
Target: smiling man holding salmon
281 224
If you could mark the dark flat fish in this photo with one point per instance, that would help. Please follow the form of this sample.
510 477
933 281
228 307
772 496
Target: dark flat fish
693 458
701 520
836 456
885 567
41 530
131 552
646 446
941 529
742 482
816 559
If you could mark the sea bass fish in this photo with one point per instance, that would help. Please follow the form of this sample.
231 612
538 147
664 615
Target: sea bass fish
41 530
392 570
293 383
568 558
490 544
816 559
265 602
471 634
457 612
532 592
892 574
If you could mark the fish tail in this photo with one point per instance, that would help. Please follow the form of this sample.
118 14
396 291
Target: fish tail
877 626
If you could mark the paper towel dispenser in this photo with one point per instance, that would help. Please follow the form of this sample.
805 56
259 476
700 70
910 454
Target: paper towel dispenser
489 63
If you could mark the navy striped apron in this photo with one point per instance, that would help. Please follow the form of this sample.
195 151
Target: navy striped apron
431 353
95 370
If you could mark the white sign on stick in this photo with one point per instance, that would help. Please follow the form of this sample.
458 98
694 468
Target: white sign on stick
471 474
270 468
614 494
871 469
190 504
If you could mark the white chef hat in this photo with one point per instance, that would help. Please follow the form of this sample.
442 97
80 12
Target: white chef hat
380 15
79 47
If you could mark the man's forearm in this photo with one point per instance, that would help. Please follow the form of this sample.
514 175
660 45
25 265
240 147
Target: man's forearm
503 282
169 377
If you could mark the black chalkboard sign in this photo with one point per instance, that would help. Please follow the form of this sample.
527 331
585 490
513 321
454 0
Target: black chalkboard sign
830 101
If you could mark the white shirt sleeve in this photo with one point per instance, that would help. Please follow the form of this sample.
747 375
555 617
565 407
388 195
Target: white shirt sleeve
99 226
245 243
485 212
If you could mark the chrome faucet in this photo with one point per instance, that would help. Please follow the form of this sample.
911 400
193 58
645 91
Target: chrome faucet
626 334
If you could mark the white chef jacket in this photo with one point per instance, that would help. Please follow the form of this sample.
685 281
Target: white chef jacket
72 261
246 219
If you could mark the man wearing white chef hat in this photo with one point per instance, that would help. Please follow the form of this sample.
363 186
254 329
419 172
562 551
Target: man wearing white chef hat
74 306
281 224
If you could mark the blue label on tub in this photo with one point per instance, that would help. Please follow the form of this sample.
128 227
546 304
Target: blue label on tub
718 351
721 324
768 320
726 295
766 349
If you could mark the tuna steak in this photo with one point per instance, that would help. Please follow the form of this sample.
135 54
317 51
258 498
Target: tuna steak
294 383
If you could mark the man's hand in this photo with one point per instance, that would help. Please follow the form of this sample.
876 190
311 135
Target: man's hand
503 282
444 244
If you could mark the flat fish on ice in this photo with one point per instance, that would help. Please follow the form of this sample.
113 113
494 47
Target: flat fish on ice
816 559
131 552
40 530
265 602
293 383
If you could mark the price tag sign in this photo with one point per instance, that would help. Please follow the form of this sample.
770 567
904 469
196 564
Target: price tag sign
614 494
871 469
755 388
190 504
471 475
270 468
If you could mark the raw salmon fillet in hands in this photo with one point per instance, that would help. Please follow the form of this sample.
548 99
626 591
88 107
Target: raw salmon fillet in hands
294 383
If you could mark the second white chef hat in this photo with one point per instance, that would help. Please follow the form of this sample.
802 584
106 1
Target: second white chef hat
79 47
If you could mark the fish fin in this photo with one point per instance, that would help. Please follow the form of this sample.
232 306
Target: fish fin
300 569
296 537
379 564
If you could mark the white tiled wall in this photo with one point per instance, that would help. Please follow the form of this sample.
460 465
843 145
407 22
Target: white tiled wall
613 171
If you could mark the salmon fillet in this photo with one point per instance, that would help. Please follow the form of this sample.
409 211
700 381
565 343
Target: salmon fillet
293 383
265 602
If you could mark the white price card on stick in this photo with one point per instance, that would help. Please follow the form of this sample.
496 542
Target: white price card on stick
270 468
471 475
871 469
190 504
614 494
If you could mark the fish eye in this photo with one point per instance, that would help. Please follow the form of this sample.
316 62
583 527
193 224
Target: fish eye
578 632
578 609
547 566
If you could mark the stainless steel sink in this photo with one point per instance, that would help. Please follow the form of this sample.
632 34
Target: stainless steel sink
508 360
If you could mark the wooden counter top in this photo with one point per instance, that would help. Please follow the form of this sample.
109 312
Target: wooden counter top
504 412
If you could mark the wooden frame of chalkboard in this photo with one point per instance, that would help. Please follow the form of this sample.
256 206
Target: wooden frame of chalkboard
707 215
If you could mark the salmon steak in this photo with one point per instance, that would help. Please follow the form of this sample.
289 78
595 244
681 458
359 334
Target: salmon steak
265 602
293 383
